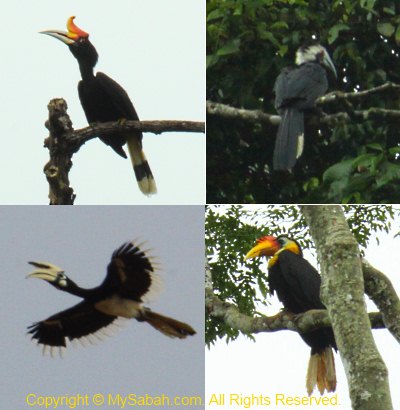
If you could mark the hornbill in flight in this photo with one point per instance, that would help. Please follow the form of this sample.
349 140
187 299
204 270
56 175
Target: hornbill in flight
297 285
130 279
296 90
104 100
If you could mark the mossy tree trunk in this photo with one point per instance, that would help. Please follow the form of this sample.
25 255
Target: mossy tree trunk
342 292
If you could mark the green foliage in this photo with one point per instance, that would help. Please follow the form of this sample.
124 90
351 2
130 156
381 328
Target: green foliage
231 231
248 43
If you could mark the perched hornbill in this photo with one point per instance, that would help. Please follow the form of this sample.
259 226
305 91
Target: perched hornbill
296 90
104 100
130 279
297 285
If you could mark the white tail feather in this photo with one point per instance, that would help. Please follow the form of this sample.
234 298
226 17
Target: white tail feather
141 167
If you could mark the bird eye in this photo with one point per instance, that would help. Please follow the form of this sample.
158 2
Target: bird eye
61 279
281 241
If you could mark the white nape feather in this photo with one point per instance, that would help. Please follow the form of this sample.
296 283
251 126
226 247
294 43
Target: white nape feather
304 55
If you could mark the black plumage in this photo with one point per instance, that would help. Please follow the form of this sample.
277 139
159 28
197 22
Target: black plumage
129 281
103 100
297 285
296 89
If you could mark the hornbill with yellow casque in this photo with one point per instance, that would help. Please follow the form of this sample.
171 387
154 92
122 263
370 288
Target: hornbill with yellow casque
105 100
296 90
129 281
297 284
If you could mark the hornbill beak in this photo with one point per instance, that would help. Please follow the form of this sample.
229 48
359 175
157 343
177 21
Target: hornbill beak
328 63
46 271
69 37
266 246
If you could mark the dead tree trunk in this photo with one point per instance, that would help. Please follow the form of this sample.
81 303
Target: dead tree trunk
63 142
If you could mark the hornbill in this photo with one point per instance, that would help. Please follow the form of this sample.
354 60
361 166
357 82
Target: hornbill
297 284
296 90
104 100
129 281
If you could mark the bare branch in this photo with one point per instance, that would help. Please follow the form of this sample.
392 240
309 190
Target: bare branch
79 137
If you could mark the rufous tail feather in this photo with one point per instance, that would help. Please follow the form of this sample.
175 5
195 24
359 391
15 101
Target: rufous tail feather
141 167
321 372
170 327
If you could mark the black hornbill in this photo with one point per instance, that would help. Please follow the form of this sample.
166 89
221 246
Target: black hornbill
130 279
297 285
296 90
104 100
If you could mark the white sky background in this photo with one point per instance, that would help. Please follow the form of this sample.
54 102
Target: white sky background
153 48
136 359
277 362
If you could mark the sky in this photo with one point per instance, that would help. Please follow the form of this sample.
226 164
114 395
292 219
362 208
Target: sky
153 48
136 359
276 363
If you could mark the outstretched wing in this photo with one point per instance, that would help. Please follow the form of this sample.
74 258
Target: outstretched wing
77 322
130 273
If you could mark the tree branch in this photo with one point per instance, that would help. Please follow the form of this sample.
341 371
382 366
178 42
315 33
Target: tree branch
228 112
379 288
388 87
79 137
257 116
304 322
64 141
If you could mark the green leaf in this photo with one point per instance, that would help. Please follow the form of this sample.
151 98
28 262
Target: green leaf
375 146
311 184
283 49
386 29
368 4
339 171
211 60
279 25
215 14
390 172
394 151
389 10
367 161
267 35
231 47
335 30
